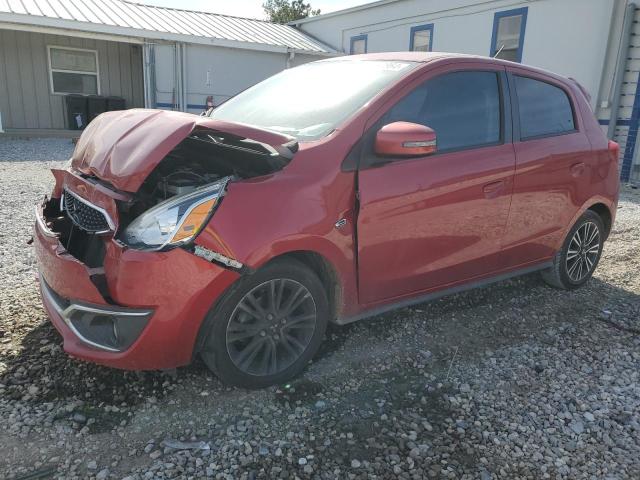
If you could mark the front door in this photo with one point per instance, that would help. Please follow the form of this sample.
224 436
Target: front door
437 220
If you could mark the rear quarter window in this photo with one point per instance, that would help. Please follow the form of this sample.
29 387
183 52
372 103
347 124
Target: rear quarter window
545 109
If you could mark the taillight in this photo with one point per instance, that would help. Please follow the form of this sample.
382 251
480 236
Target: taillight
614 150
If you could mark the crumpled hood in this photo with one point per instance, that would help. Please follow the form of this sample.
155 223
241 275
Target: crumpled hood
124 147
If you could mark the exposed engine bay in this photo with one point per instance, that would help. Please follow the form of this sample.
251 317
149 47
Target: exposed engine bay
202 158
193 174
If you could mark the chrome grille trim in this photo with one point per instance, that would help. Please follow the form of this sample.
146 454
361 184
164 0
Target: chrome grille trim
110 225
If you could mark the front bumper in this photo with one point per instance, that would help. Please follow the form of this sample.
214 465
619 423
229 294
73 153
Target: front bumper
112 329
157 301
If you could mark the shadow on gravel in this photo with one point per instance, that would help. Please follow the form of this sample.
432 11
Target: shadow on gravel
42 372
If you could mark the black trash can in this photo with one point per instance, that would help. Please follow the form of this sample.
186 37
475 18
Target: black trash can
76 111
115 103
95 106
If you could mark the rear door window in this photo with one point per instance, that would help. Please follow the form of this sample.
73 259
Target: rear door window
545 109
463 108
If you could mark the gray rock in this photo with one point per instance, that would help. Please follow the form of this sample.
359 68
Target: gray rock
577 427
102 474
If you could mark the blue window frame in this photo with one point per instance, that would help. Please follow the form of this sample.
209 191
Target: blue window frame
356 42
421 38
508 34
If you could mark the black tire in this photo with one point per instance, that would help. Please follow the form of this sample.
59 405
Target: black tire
563 273
224 353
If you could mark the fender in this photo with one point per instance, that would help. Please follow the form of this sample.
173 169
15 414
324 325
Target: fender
252 224
611 206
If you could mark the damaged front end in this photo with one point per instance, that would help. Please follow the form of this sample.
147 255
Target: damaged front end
154 195
115 242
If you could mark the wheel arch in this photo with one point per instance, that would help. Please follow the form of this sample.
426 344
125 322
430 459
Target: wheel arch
325 271
605 214
601 206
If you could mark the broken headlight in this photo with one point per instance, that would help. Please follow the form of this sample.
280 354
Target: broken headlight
175 221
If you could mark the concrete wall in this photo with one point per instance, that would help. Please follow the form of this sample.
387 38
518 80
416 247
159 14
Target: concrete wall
26 100
568 37
217 71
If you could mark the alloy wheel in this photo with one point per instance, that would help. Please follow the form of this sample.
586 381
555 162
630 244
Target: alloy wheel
583 251
271 327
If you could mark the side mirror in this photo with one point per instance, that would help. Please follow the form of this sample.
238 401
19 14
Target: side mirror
405 139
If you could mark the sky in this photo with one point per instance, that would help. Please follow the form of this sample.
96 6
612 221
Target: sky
247 8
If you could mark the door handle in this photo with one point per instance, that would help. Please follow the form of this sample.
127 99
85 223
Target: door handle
491 190
577 169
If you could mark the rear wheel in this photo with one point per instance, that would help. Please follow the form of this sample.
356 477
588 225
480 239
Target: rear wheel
267 327
575 263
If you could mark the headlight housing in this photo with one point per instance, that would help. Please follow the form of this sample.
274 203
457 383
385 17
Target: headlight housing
175 221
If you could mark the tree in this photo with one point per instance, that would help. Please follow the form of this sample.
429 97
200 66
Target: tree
285 11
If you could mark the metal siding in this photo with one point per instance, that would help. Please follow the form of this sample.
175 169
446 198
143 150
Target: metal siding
14 84
113 62
125 72
118 13
137 80
26 100
5 108
27 84
629 112
41 79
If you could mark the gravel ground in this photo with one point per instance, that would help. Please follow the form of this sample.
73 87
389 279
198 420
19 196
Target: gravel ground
515 380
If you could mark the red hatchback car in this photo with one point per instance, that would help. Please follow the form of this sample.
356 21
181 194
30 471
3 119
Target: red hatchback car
330 192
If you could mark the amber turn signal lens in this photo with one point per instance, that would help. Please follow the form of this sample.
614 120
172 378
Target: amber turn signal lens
194 220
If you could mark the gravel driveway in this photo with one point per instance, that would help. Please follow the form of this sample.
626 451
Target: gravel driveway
516 380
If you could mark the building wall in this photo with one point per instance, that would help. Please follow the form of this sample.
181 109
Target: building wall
568 37
216 71
26 100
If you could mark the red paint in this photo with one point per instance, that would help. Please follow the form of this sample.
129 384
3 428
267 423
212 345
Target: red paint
123 147
405 139
422 224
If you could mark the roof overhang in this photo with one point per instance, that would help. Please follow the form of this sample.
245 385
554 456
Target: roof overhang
58 26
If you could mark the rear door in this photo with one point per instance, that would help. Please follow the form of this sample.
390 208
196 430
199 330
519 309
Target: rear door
554 165
436 220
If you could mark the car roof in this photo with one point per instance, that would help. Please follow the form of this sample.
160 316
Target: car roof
433 57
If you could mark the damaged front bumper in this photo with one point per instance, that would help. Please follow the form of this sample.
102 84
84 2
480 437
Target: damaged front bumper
137 310
112 328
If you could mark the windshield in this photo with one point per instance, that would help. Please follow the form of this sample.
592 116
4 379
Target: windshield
310 101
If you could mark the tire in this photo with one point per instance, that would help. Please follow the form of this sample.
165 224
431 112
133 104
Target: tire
565 273
251 339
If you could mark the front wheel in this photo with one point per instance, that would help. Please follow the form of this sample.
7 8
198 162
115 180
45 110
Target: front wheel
267 327
575 263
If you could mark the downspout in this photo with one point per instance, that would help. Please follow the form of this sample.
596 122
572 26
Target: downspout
623 53
290 56
1 130
176 78
149 73
153 87
184 77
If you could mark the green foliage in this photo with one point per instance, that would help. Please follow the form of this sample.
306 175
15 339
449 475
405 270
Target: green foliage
284 11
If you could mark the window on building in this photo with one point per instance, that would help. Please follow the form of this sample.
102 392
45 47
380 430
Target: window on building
508 34
358 45
544 108
73 70
421 39
463 108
